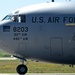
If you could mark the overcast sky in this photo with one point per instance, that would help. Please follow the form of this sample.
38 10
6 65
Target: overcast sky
7 6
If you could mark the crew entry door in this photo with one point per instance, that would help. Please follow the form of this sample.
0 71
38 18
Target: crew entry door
56 46
22 48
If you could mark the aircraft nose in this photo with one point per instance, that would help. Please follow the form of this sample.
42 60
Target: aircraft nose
0 36
4 37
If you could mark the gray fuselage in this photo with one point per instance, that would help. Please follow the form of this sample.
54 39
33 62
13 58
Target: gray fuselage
46 33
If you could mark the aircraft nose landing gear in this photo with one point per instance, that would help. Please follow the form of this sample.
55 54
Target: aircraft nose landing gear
22 69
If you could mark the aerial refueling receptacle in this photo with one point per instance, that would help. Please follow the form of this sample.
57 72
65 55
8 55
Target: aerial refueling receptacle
52 0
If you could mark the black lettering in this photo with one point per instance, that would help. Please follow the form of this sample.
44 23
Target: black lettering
20 29
16 38
26 29
41 19
25 38
17 34
65 19
70 20
24 34
34 19
56 19
14 29
53 20
50 20
13 38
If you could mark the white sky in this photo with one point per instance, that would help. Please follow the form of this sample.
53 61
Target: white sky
7 6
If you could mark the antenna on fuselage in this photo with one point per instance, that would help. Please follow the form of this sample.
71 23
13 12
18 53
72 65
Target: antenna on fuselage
69 0
52 0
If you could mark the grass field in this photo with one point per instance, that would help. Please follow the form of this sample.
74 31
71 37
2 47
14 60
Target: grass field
4 54
9 66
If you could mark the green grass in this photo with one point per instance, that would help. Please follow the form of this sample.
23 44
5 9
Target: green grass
4 54
43 67
9 66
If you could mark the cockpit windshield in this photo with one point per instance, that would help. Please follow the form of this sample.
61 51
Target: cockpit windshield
8 17
16 18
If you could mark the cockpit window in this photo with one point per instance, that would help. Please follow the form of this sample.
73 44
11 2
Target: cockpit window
16 18
22 18
19 18
8 17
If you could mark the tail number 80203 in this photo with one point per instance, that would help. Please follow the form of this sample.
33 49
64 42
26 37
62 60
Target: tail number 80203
20 29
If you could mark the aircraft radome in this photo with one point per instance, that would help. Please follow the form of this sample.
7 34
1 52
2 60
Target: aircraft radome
43 31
